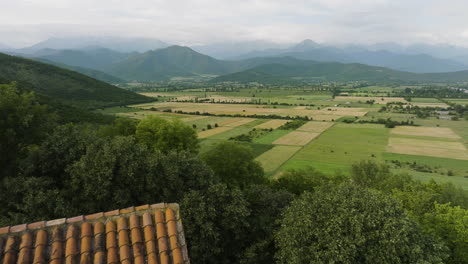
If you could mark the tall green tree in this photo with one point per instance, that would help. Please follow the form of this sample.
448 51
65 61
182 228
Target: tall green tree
451 225
23 122
350 224
164 135
216 224
234 164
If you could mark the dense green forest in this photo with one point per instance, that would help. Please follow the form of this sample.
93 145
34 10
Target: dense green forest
69 87
52 168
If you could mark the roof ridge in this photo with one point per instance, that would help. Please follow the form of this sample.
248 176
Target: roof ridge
85 218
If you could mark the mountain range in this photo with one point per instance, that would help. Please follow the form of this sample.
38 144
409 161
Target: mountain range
105 53
305 61
412 62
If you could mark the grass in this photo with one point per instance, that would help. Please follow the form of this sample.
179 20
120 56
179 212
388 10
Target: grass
342 145
203 123
275 157
296 138
272 136
231 133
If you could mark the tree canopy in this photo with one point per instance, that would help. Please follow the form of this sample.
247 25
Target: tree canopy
349 224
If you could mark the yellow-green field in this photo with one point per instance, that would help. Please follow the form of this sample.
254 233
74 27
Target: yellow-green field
275 157
296 138
431 148
273 124
328 114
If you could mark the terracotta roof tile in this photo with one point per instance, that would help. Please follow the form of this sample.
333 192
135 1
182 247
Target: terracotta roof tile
86 237
40 247
25 249
99 242
150 242
56 253
161 235
94 216
144 234
4 230
18 228
37 225
10 252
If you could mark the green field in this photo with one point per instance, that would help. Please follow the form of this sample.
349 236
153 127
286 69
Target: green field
272 136
340 146
273 158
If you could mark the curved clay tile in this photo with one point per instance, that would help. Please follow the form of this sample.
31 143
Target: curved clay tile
111 243
124 243
172 231
162 237
10 251
150 244
25 249
137 241
57 248
99 244
71 250
86 237
40 247
2 245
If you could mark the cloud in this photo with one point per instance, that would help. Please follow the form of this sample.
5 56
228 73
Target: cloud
24 22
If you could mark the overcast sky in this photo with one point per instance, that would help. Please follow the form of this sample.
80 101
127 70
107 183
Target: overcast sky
25 22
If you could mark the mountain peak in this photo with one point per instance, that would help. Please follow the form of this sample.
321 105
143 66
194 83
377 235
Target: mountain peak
306 44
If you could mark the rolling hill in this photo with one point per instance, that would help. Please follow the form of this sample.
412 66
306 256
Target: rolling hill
67 86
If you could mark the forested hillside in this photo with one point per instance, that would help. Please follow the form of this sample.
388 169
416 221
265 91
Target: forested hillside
67 86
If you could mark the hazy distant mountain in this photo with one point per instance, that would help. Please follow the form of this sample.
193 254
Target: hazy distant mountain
178 61
113 43
97 59
163 64
95 74
4 47
417 62
230 50
333 71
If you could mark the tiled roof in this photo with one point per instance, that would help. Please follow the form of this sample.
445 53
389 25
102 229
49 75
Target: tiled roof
144 234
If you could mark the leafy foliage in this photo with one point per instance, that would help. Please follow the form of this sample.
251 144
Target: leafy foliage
349 224
215 224
165 136
23 121
234 164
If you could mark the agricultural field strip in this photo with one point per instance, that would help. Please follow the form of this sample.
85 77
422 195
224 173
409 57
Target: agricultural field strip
234 122
440 105
273 124
213 131
441 132
275 157
246 109
377 100
317 127
296 138
431 148
225 126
